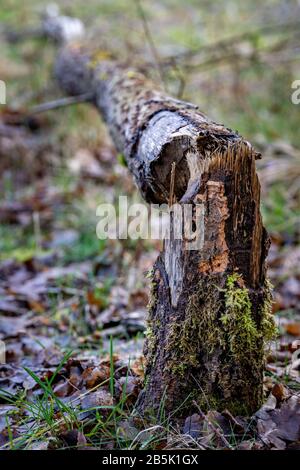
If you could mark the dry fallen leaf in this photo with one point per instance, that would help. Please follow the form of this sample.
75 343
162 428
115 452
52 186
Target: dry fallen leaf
193 425
11 326
73 438
278 426
129 387
280 392
95 375
94 400
292 328
62 389
138 367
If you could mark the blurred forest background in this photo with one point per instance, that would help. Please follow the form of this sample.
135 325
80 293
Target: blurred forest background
72 307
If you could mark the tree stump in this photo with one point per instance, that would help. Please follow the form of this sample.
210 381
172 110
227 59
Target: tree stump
209 312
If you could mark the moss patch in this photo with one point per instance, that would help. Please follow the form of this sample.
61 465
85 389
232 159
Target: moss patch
239 325
197 333
221 343
242 329
269 331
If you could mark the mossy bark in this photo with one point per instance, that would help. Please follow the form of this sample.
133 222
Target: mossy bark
208 314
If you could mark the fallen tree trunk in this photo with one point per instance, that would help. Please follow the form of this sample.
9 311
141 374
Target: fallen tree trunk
209 312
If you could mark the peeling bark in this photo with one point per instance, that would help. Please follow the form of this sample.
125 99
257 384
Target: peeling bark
191 349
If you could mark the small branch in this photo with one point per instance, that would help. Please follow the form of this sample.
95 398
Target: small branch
21 35
232 55
180 75
151 43
60 103
233 40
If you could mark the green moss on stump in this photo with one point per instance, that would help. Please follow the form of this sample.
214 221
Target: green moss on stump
242 330
197 332
221 340
269 330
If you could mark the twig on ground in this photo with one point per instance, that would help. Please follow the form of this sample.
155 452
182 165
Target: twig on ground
216 430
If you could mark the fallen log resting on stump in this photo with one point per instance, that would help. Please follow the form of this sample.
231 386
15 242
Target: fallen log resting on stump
209 312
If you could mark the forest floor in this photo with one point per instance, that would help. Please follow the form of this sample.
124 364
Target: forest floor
73 307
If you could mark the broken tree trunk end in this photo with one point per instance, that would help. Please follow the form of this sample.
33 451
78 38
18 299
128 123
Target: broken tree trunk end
209 312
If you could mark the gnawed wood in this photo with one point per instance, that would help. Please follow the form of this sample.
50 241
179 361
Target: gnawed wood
209 309
189 348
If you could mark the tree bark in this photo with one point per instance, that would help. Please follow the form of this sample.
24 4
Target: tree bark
209 313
